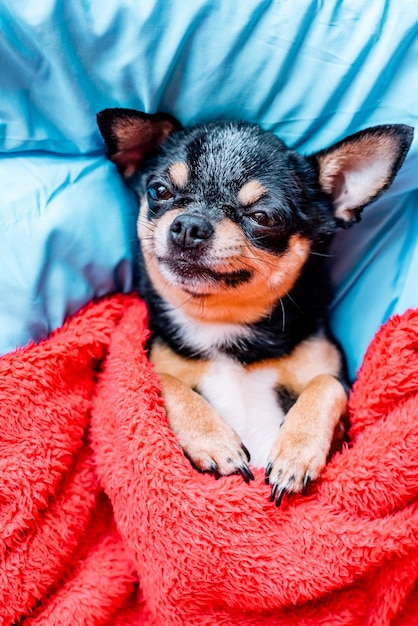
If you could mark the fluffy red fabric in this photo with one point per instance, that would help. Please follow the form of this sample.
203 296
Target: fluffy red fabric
206 551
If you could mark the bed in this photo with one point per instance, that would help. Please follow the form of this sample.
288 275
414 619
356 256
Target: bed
312 73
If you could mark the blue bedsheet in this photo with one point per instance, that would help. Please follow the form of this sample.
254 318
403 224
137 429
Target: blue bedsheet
310 71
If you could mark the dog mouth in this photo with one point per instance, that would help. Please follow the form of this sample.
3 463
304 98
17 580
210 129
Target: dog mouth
198 276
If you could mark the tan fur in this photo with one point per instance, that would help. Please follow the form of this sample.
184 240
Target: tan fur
311 357
144 227
130 130
179 174
251 192
350 155
205 437
305 437
308 372
339 165
189 371
272 276
123 131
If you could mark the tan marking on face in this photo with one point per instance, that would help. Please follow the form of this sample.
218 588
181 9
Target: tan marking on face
179 174
228 241
273 276
144 226
153 234
251 192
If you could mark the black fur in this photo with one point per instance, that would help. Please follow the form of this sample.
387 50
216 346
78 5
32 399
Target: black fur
301 315
244 152
235 229
222 157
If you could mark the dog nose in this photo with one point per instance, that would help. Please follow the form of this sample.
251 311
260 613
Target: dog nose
190 231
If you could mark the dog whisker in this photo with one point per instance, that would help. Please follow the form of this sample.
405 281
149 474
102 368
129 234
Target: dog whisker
294 301
146 223
283 314
328 256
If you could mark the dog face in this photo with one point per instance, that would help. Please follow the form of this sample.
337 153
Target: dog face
231 230
229 216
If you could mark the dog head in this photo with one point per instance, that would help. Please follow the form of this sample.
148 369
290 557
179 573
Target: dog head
230 216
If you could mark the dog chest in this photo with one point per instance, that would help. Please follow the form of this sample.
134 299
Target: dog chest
246 400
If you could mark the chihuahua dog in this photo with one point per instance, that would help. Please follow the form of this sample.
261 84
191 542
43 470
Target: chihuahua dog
234 230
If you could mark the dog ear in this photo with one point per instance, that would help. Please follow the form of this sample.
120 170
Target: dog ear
358 169
131 136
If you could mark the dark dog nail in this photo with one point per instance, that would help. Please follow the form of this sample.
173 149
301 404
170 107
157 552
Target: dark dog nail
247 454
273 492
280 495
305 484
214 470
246 473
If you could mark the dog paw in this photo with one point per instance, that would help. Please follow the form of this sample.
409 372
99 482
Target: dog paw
221 453
293 463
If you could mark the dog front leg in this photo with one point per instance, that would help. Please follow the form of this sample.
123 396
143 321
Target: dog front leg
302 447
207 440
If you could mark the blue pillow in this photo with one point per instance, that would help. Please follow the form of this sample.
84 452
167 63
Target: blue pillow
312 74
63 240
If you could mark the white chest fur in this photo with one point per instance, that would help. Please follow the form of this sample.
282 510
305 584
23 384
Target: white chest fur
248 402
206 338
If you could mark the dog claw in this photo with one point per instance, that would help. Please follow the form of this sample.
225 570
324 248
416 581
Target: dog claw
243 469
305 484
247 454
278 491
273 492
214 470
280 495
246 473
269 467
277 494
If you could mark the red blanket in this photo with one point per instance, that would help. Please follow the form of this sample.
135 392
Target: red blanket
96 495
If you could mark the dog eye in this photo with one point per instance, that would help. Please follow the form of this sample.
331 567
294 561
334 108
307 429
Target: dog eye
262 219
159 192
